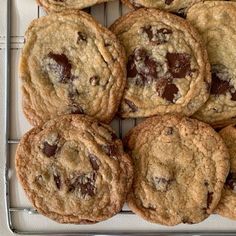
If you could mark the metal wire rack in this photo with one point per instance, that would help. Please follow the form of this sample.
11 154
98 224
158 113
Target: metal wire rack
12 210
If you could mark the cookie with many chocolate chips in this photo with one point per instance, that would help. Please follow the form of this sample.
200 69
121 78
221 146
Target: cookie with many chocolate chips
62 5
215 21
176 6
167 64
227 205
71 65
74 170
178 171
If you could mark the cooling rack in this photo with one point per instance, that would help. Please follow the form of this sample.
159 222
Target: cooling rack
22 219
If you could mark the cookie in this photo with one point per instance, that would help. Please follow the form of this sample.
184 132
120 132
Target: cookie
227 205
178 171
62 5
167 64
71 65
177 6
74 170
215 22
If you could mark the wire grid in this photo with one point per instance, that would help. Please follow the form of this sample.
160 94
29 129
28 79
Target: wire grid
9 142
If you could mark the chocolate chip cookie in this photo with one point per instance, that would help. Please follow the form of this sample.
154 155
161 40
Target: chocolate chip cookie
71 65
62 5
178 171
74 170
216 23
167 64
177 6
227 205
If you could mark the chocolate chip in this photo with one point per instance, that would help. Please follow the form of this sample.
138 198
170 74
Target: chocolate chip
221 81
94 162
94 80
231 181
131 105
84 183
107 44
166 89
169 130
81 37
76 109
109 149
179 64
168 2
181 12
62 67
186 220
161 184
49 150
113 136
57 180
157 36
209 199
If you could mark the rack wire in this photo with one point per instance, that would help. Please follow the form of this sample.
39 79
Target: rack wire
10 210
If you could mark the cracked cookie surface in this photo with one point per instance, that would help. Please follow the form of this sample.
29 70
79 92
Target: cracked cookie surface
74 170
227 205
216 22
71 65
167 64
177 6
62 5
178 171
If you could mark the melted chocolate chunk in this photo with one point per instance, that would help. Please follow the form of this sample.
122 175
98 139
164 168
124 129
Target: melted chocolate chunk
168 2
209 199
231 181
81 37
166 89
142 66
131 105
94 80
157 36
57 180
221 81
62 67
219 86
179 64
49 150
94 162
131 67
84 184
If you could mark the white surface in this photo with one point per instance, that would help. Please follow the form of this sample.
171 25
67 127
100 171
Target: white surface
23 12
